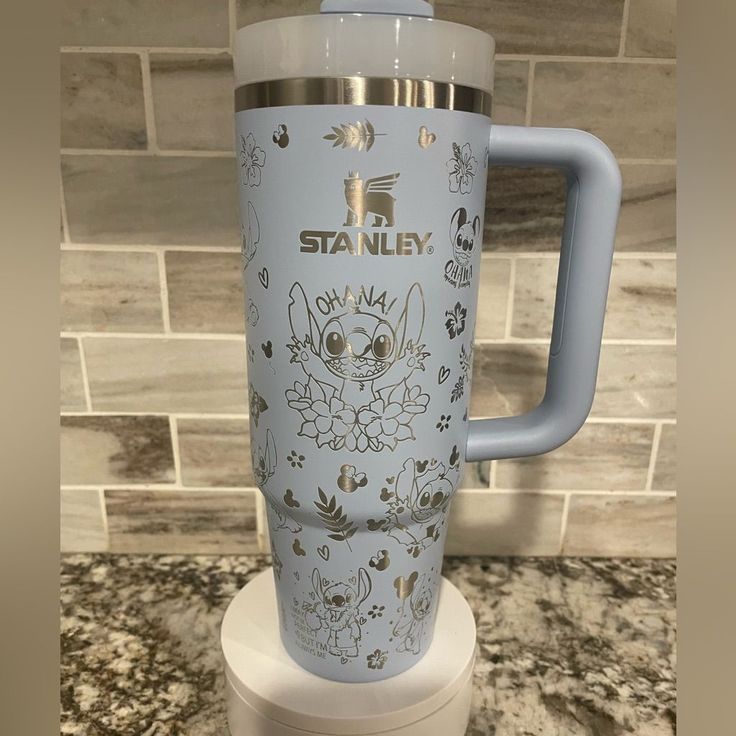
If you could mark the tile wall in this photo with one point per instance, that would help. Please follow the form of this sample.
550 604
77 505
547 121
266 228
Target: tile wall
154 430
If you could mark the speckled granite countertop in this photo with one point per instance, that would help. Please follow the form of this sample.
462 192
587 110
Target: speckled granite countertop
566 646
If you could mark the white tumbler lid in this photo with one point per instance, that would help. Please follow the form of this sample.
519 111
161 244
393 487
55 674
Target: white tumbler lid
365 38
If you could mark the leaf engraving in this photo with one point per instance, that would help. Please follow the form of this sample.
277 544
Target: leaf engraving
335 521
359 136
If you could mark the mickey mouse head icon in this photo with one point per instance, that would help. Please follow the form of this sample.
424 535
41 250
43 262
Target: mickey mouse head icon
281 136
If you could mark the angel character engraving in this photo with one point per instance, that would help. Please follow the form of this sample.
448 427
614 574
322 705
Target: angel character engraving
416 508
358 360
370 197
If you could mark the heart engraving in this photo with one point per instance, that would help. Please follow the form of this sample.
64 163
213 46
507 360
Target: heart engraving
263 277
426 139
443 375
324 552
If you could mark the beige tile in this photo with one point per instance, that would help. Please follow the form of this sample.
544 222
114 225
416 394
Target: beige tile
139 374
193 101
525 209
631 107
149 23
476 475
651 28
507 379
665 471
251 11
102 101
151 199
641 298
205 291
493 294
489 523
103 291
206 522
82 523
509 92
633 380
215 452
620 526
97 450
648 216
636 381
600 457
71 384
585 27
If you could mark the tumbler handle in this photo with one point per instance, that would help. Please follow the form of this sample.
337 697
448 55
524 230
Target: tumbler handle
593 200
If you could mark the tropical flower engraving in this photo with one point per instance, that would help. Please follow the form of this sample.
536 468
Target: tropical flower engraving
257 404
455 322
295 459
465 364
252 159
381 424
377 659
462 168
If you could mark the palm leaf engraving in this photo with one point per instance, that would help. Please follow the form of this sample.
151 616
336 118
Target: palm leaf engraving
334 519
360 136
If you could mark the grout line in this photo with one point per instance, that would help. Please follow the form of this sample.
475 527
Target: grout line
232 19
152 137
158 487
563 523
222 336
529 92
178 415
492 474
64 215
555 255
152 150
261 524
487 256
653 457
103 510
646 342
85 379
587 59
509 300
163 292
244 416
562 491
606 420
145 49
647 161
174 432
624 29
465 491
133 248
238 337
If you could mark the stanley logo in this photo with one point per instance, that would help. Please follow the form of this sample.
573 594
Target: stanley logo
364 199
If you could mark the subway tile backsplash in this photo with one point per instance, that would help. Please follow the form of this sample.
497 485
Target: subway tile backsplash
155 446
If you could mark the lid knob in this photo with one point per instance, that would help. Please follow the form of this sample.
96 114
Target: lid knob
418 8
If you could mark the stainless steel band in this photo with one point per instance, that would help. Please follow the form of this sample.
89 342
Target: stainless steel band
363 91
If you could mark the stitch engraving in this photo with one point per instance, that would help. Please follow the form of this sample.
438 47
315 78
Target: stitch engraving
358 361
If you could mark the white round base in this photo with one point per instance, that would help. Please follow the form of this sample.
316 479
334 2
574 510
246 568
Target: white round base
268 694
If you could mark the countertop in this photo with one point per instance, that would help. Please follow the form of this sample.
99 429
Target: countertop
565 646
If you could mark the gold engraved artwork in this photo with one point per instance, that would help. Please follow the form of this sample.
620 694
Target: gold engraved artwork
359 136
371 196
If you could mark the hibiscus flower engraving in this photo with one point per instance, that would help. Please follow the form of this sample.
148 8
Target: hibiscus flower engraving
252 159
377 659
455 322
462 168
